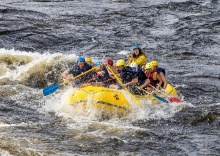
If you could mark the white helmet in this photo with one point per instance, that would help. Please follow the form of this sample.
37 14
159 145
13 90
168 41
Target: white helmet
134 65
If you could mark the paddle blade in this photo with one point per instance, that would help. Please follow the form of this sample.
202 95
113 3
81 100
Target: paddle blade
49 90
160 98
174 99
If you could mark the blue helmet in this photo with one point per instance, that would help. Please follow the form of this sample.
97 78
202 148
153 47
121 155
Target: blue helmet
81 59
136 47
98 63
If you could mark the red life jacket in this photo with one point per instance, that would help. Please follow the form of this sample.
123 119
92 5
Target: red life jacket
152 77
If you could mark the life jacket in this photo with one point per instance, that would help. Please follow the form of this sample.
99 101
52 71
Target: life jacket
127 74
159 69
105 78
140 60
75 70
153 78
141 76
101 78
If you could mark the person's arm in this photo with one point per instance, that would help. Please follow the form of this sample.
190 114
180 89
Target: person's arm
129 62
160 81
164 80
65 74
147 82
112 68
134 81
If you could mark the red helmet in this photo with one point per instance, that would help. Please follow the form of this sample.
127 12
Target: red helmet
110 62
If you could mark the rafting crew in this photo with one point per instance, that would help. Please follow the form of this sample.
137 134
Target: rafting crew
131 78
77 69
132 74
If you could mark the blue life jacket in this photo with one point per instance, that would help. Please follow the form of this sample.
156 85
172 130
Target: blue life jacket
75 70
127 75
159 69
104 77
141 76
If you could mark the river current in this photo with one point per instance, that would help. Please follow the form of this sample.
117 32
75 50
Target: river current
39 39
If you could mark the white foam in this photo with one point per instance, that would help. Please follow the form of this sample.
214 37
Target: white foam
5 153
58 102
124 52
35 59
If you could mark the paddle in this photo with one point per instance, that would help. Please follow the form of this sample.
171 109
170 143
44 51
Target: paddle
171 99
119 81
156 96
51 89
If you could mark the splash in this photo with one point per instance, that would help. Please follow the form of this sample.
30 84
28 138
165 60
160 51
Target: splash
32 69
5 153
61 105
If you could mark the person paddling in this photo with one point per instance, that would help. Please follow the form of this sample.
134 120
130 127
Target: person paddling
77 69
140 75
100 76
165 86
153 78
162 73
127 76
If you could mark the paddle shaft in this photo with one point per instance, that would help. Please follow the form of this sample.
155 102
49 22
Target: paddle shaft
156 96
51 89
73 78
119 81
170 98
158 90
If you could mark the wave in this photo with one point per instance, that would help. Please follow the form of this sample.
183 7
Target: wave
33 69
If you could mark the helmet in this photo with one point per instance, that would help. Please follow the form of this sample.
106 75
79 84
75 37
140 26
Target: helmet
81 59
134 65
88 59
110 62
149 67
154 63
120 63
98 63
136 47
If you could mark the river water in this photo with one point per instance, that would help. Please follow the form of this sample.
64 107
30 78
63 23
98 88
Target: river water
39 39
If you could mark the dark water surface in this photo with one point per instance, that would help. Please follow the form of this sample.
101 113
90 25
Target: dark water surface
41 38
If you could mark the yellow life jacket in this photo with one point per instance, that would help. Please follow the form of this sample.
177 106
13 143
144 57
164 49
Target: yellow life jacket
141 60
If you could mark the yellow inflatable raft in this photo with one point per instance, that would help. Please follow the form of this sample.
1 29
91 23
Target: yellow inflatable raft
110 100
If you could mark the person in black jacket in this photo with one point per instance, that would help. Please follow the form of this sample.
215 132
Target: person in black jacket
77 69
